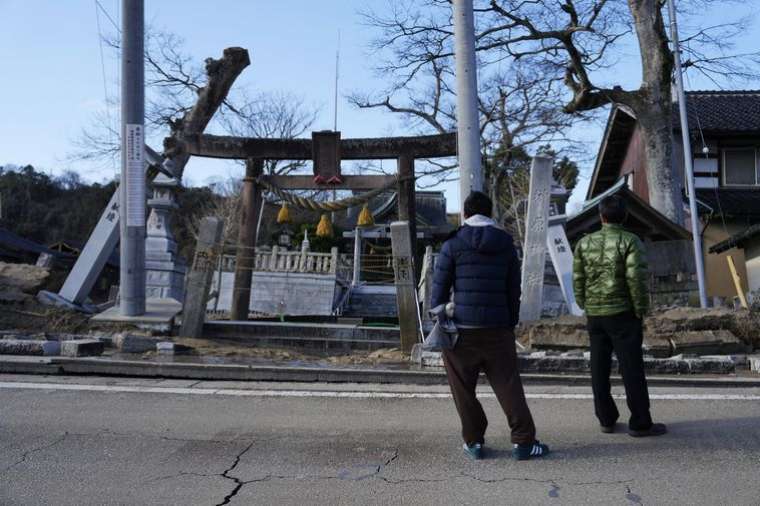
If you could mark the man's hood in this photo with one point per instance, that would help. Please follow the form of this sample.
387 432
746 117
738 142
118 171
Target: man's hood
478 220
484 235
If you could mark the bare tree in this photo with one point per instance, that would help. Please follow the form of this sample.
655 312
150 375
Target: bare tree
225 204
520 107
576 40
271 115
173 82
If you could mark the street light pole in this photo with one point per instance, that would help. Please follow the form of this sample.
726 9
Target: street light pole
468 125
132 186
688 157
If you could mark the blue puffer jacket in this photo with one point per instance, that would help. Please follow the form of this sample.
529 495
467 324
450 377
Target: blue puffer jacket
480 263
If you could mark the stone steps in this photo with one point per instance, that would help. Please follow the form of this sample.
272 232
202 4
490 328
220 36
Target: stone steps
304 335
371 305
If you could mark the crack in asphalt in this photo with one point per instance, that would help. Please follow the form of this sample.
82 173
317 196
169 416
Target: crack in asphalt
238 482
387 462
27 453
376 473
109 432
177 475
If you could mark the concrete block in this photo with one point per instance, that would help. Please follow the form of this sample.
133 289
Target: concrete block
26 336
657 346
431 359
81 348
736 359
131 343
29 347
724 365
754 363
170 348
108 341
567 332
706 342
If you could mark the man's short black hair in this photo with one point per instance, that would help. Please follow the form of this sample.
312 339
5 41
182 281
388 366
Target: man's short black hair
477 203
612 209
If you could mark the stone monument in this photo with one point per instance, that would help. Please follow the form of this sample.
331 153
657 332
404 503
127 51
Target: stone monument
536 224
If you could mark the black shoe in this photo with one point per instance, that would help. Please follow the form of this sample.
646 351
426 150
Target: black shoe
657 429
607 429
533 450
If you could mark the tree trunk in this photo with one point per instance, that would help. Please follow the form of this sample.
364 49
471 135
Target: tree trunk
663 180
653 108
221 74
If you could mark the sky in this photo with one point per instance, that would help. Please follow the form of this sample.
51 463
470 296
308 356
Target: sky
52 81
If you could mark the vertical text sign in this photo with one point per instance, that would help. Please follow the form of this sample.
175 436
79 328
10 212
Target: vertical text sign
562 258
135 156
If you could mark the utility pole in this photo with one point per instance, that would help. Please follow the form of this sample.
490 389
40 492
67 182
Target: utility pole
688 157
337 63
468 124
132 186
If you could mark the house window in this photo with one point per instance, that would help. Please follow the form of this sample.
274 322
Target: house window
739 167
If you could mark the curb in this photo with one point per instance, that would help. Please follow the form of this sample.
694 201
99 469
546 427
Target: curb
222 372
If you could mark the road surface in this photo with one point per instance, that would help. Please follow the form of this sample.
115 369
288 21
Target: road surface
90 440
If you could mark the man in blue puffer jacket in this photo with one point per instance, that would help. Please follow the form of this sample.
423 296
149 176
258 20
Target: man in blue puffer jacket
479 262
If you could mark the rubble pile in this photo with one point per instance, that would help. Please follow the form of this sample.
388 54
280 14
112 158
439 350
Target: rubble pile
669 332
20 282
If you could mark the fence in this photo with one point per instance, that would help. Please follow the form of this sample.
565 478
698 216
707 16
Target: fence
278 260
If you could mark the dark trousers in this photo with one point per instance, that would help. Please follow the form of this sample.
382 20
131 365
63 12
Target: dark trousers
492 351
623 334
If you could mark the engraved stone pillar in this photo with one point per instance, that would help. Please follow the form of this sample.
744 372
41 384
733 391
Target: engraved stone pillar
406 300
164 271
534 254
199 279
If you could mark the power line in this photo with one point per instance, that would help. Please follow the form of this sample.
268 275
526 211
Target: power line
99 6
705 150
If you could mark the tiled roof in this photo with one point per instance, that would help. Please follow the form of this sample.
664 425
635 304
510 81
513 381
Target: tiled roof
730 201
643 219
712 112
722 111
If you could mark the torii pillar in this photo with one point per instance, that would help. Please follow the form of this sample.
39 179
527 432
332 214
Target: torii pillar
407 208
245 258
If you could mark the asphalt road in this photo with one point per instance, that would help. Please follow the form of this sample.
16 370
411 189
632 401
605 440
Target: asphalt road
81 441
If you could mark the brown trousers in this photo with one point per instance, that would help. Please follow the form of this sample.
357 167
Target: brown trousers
491 350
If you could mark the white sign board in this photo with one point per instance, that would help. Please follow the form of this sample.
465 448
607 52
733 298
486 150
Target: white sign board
135 159
562 259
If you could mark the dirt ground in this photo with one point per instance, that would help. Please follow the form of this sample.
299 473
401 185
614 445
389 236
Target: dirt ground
210 348
30 315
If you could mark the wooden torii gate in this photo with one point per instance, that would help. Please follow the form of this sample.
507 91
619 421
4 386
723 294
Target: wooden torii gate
326 149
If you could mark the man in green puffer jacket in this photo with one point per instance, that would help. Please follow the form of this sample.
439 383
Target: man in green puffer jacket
610 284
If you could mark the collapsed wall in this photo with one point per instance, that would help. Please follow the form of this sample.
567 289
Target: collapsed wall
666 333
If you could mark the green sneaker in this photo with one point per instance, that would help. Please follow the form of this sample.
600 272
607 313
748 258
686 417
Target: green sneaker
474 450
530 451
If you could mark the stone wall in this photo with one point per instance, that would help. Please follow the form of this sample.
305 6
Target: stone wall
680 289
672 273
276 293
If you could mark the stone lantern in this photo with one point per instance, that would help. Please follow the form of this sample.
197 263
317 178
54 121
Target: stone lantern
164 270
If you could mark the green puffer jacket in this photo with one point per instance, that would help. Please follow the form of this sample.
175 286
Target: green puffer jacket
610 273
